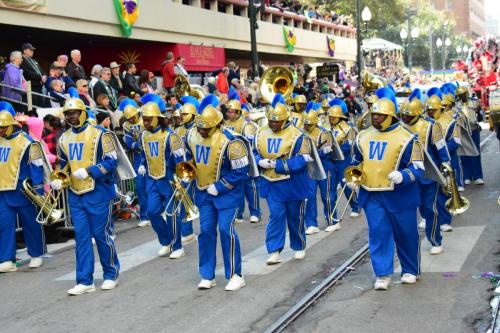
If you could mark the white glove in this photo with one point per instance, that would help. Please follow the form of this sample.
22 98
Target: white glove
396 177
56 184
273 164
326 150
142 170
266 163
250 137
307 158
81 173
212 190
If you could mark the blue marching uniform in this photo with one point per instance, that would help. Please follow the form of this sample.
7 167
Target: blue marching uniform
222 161
390 208
162 150
20 158
90 200
286 186
472 166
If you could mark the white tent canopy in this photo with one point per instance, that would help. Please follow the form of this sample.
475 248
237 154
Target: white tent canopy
379 44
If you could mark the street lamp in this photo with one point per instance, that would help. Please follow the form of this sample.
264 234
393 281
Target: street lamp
415 32
366 16
458 49
403 34
439 42
447 42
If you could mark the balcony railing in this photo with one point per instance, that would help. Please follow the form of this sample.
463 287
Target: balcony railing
273 15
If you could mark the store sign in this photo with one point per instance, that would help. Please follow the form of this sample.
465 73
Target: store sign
331 72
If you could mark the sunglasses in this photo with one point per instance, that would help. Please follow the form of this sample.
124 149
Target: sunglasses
85 86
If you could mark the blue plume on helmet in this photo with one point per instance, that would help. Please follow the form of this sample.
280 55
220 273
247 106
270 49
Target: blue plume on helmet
190 100
178 106
416 93
341 103
317 106
407 85
390 86
278 98
450 88
156 99
6 106
435 91
126 102
389 94
91 114
310 106
72 92
206 101
245 106
294 95
233 94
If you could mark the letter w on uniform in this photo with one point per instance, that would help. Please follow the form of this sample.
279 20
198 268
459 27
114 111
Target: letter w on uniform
202 154
273 145
75 151
4 154
154 148
377 150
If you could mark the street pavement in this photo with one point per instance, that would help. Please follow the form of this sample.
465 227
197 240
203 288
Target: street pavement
159 294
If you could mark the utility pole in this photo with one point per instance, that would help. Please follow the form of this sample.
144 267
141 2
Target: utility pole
431 51
253 38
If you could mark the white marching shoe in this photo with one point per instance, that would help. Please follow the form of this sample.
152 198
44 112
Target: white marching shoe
421 224
408 278
177 254
81 289
312 230
109 284
237 282
467 181
8 266
461 189
333 227
446 228
354 214
35 262
436 250
254 219
188 239
299 255
206 284
238 221
479 181
382 283
164 250
273 259
143 223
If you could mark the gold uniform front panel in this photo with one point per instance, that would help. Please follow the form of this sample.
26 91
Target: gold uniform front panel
422 128
235 126
154 148
297 119
11 155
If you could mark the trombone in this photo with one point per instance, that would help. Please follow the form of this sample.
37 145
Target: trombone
184 172
352 174
456 204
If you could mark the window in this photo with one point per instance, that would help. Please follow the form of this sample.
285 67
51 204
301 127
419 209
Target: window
449 5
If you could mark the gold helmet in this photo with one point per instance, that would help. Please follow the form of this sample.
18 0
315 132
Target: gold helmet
7 118
338 110
278 110
311 116
76 104
245 110
130 111
208 115
299 103
461 90
386 105
412 108
189 108
434 102
447 100
234 102
151 109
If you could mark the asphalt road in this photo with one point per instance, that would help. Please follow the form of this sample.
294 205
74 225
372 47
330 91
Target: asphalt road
160 295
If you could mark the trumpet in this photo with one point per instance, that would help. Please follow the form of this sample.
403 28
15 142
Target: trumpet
352 174
457 204
184 171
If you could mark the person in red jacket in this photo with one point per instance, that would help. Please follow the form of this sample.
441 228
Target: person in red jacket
167 72
222 84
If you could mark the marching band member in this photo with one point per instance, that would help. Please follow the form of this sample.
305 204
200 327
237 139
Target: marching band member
345 135
297 115
451 134
282 152
392 161
222 163
132 128
363 121
431 137
188 113
162 149
90 154
472 167
324 141
21 157
323 114
237 123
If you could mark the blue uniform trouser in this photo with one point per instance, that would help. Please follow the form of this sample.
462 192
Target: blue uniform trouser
210 218
472 166
34 237
168 231
93 222
385 229
456 164
328 190
140 187
444 214
429 194
289 213
251 189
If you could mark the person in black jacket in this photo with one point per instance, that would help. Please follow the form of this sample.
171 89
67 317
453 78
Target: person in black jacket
103 87
130 82
74 69
34 73
116 81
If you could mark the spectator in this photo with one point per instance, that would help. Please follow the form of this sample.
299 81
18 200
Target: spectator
179 67
63 61
46 124
145 82
14 77
52 132
35 129
95 74
103 87
33 72
168 73
82 86
57 93
56 73
103 119
136 97
222 83
234 71
103 104
130 82
74 69
211 85
116 81
172 100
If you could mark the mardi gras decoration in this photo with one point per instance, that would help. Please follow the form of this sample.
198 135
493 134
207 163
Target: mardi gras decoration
330 41
127 11
290 38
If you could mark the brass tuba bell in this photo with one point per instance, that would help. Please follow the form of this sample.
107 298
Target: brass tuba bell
457 204
184 172
276 80
372 82
183 88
